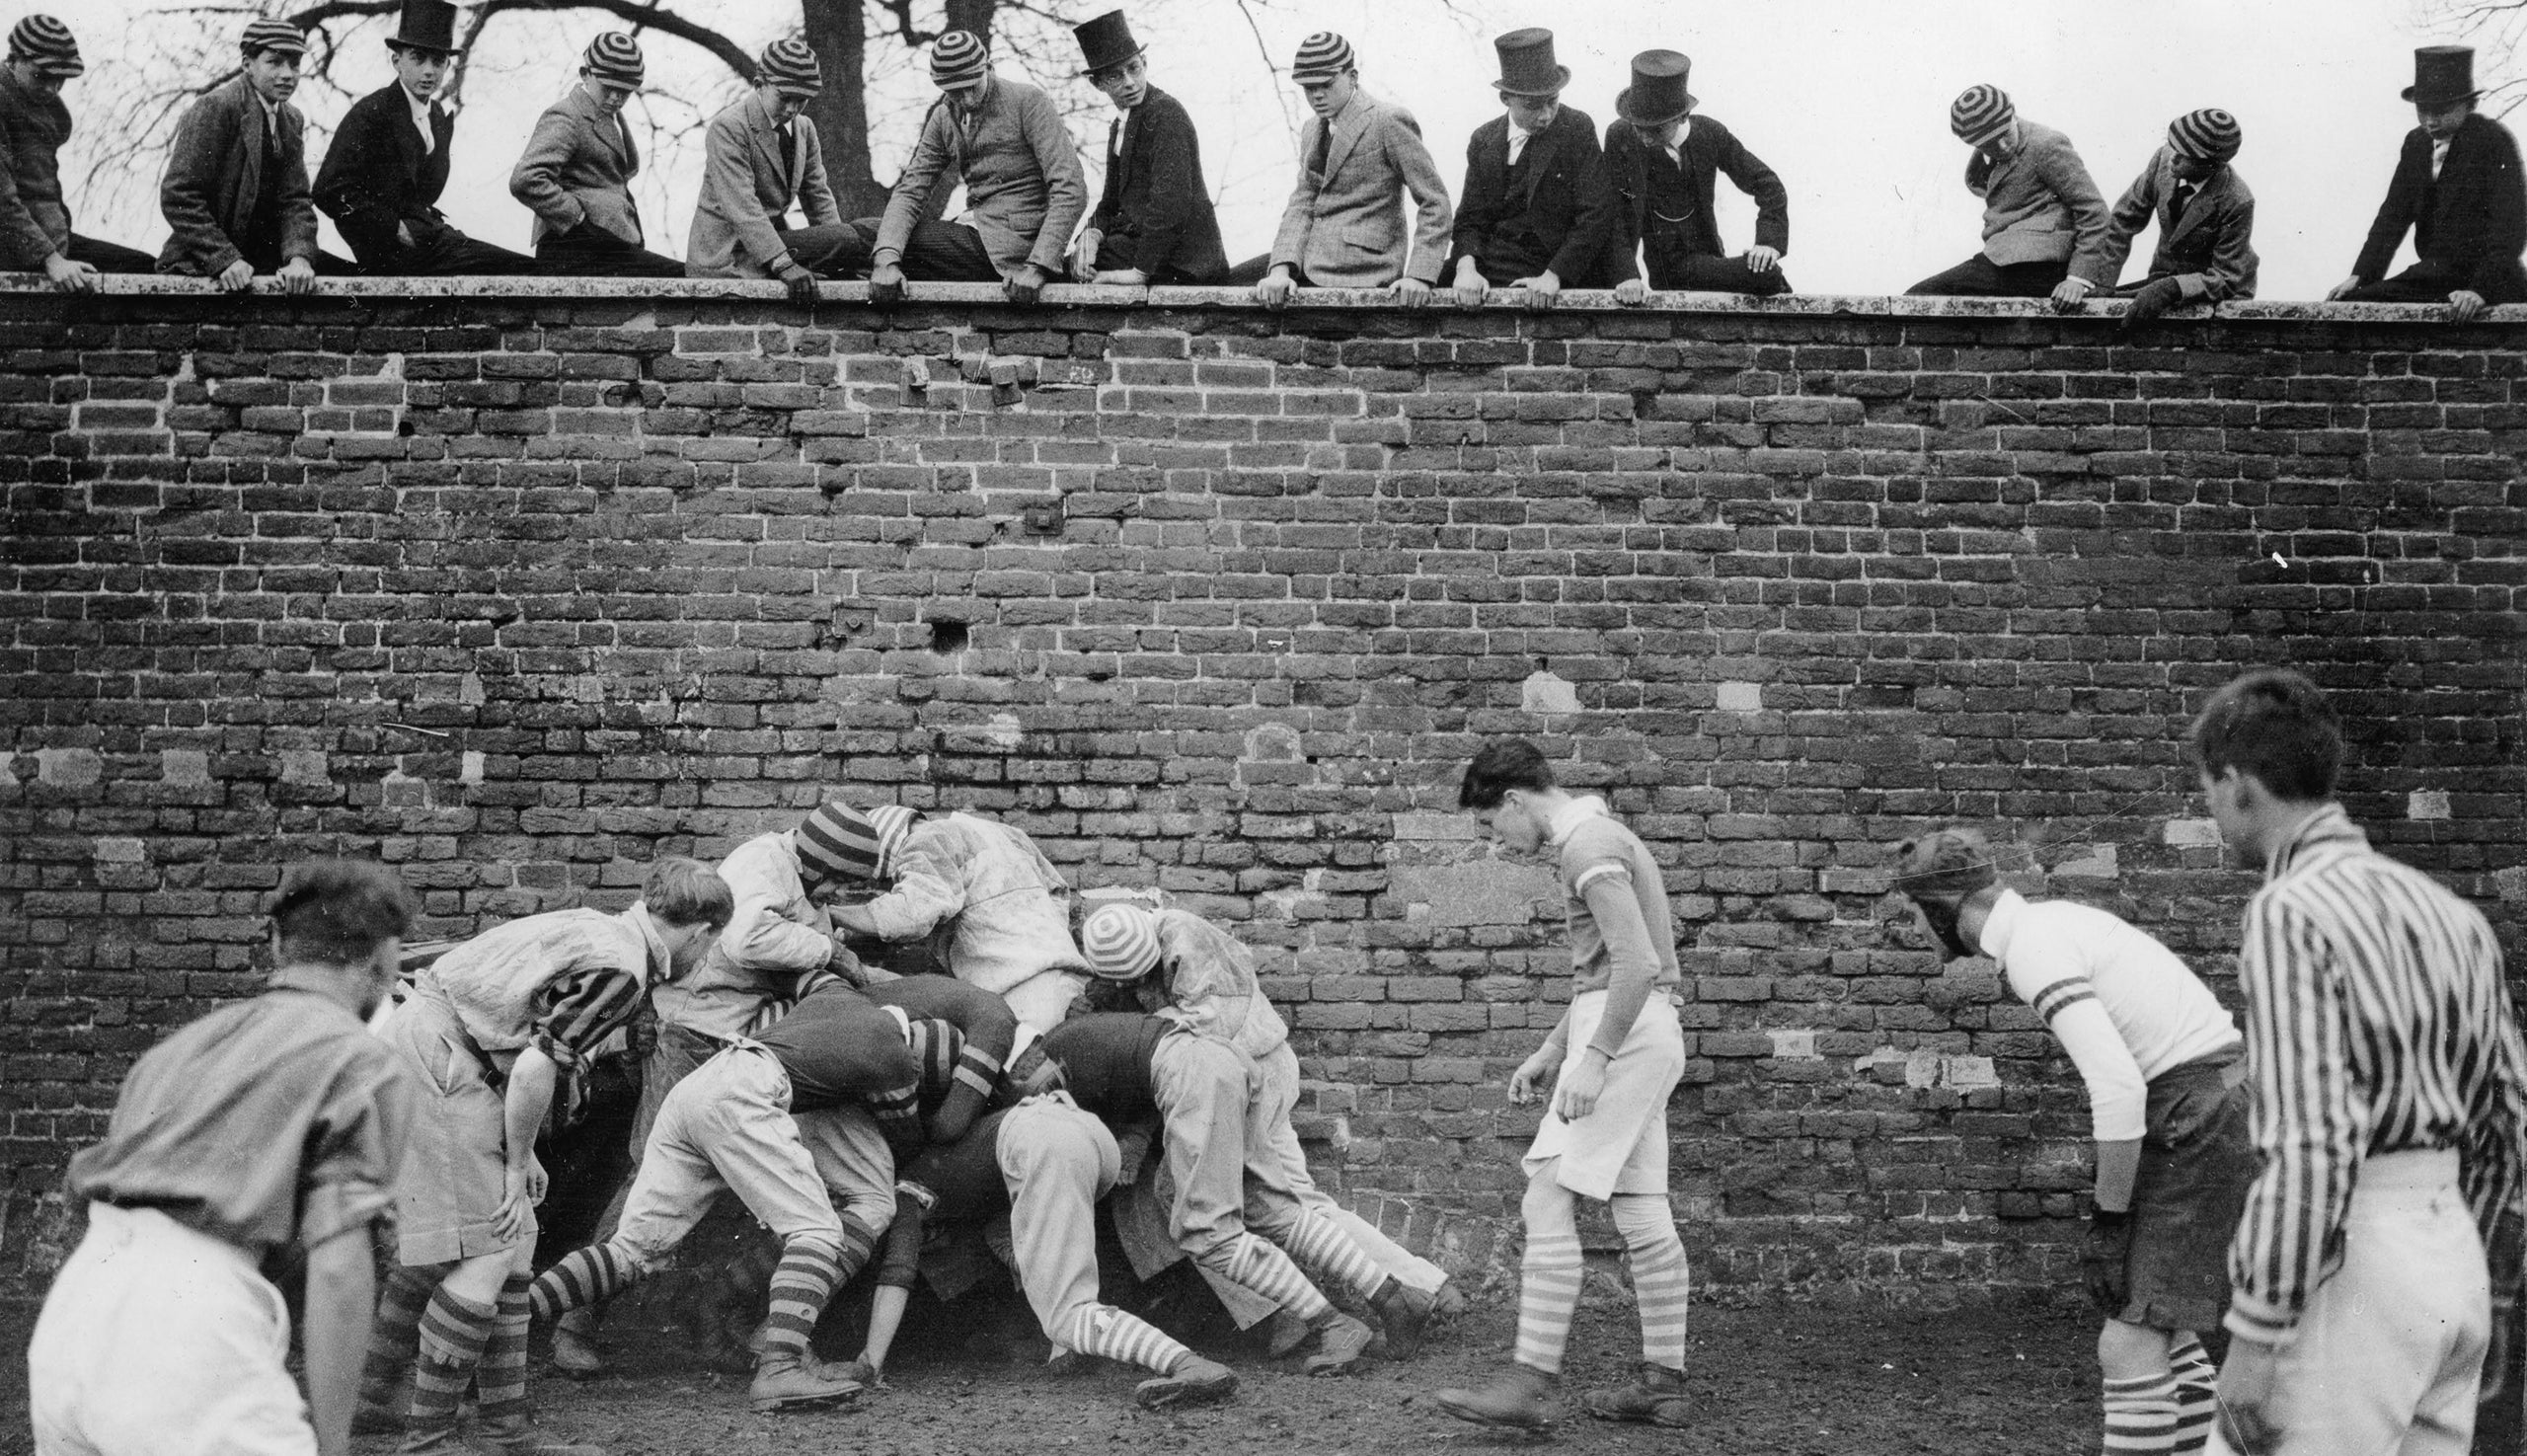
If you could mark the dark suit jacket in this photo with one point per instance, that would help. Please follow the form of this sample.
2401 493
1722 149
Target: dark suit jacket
215 176
1154 196
376 174
35 222
2472 221
1537 227
1619 197
2206 250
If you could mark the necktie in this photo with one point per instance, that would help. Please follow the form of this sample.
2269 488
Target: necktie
421 123
1517 144
1316 155
2184 197
1115 142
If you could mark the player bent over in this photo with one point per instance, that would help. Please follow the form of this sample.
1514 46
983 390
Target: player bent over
1615 1057
2165 1074
265 1133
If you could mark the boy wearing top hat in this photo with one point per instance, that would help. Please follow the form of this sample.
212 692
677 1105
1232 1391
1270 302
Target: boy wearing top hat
1526 184
383 174
2206 216
1343 226
2045 223
759 156
264 1136
1153 222
2458 189
235 193
576 175
1652 197
35 216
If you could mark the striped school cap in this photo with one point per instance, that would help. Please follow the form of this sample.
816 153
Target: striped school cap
961 59
2207 135
1322 57
46 44
1981 114
1120 942
615 59
788 66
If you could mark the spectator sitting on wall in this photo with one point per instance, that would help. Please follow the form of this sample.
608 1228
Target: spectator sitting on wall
1526 174
1654 194
576 175
2044 224
2457 189
2206 216
759 156
1154 224
35 217
236 196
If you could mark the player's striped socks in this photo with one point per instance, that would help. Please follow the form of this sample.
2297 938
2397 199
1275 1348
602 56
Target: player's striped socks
859 1242
500 1380
1248 1262
801 1285
1321 1247
394 1339
454 1331
1102 1329
2140 1416
2197 1402
1548 1294
1660 1280
581 1277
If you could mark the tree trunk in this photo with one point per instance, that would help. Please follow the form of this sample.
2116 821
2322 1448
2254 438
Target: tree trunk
837 33
972 15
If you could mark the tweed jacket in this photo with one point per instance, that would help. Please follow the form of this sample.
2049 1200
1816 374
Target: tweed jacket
577 167
1154 195
747 184
376 174
215 176
2206 248
2472 219
1025 193
1344 227
2039 205
1536 226
35 221
1619 204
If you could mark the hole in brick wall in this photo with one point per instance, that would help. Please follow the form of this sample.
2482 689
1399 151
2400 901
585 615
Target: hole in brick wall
946 635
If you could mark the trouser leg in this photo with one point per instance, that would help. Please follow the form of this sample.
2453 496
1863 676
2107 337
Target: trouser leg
1981 277
1711 274
834 250
591 252
109 257
948 252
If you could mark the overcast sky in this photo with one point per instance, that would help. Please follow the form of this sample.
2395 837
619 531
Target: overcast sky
1846 98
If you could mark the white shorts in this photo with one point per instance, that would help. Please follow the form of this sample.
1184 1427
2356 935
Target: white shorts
157 1340
1621 1146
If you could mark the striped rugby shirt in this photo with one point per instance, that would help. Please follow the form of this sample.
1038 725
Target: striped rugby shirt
2377 1023
2122 1005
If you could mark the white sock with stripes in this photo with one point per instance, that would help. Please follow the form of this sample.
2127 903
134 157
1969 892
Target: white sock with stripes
1248 1262
1660 1281
1549 1274
1102 1329
2140 1416
1329 1255
2198 1401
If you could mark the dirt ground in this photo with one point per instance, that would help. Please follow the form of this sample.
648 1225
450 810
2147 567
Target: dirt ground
1801 1380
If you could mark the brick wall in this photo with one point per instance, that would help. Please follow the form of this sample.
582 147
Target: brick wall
521 588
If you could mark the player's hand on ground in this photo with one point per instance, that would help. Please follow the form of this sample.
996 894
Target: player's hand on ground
1581 1086
1529 1080
2247 1421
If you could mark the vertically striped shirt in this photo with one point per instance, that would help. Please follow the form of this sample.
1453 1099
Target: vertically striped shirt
2377 1021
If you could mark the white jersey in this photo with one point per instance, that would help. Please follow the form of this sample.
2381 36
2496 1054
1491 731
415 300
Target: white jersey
2122 1005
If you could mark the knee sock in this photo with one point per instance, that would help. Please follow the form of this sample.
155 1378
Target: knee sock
859 1243
2140 1416
394 1340
1548 1275
1326 1252
2198 1401
1659 1278
454 1331
584 1277
500 1380
1248 1262
1102 1329
801 1285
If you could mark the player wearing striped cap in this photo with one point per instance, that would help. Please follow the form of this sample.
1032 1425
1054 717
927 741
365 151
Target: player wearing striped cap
2166 1073
2206 217
576 173
761 157
236 196
1343 226
1005 142
2043 221
35 215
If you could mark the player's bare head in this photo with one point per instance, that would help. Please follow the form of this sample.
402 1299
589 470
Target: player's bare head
2275 726
1945 864
681 892
1502 765
338 912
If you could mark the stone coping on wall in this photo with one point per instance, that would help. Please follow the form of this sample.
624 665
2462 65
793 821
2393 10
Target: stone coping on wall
1090 295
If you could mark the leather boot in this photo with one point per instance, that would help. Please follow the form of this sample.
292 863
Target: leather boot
1284 1332
1523 1397
1194 1381
784 1380
575 1353
1448 1301
1341 1341
1405 1313
518 1435
1655 1397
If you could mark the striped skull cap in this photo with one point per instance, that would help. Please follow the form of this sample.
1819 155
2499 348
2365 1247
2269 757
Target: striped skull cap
838 842
787 66
1944 862
2207 135
273 35
615 59
961 59
46 44
894 823
1322 57
935 1044
1981 114
1120 942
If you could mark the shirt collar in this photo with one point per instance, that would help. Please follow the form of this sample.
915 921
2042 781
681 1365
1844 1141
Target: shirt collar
1571 815
2001 924
640 919
419 108
2327 832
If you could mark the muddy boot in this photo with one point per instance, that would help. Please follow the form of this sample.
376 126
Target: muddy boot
517 1435
1341 1341
575 1348
1655 1397
1523 1398
1284 1332
1448 1301
783 1381
1405 1313
1194 1381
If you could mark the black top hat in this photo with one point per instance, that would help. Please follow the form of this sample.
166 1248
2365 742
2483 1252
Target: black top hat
1657 94
1526 64
1106 40
2442 74
427 24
